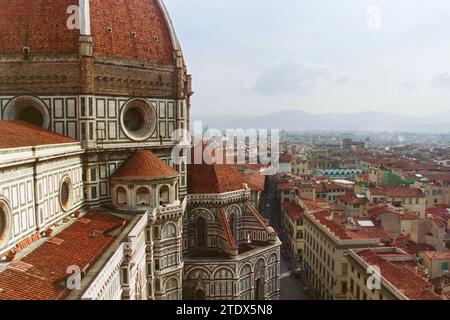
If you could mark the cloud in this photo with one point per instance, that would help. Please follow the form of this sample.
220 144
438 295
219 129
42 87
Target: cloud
441 81
409 85
342 80
291 77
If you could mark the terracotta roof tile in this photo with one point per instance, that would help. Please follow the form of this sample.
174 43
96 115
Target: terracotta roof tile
82 245
214 179
143 166
351 198
410 246
396 191
408 282
341 228
256 182
18 134
293 210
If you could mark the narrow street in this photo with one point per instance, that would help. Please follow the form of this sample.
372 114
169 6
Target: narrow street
292 287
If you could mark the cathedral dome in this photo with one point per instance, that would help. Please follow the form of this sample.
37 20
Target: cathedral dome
130 29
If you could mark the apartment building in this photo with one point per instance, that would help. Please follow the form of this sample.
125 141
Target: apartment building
386 274
328 238
293 227
410 198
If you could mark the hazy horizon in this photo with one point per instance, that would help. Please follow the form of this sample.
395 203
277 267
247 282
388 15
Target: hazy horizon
260 57
322 113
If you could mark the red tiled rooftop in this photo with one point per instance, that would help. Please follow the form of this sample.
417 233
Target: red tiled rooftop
255 181
212 176
18 134
396 191
214 179
379 210
283 186
401 277
338 225
80 244
441 214
143 166
351 198
410 246
293 210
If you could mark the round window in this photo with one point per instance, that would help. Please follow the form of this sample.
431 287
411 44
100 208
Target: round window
28 109
65 194
138 120
31 115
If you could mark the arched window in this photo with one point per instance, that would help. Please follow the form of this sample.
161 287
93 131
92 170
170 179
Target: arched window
164 195
177 191
272 284
244 282
202 232
259 290
223 283
143 197
122 196
169 231
171 284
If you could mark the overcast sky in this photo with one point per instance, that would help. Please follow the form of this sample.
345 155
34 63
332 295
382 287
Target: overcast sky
263 56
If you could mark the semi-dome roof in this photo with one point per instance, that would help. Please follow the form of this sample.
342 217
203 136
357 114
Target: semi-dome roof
134 29
143 165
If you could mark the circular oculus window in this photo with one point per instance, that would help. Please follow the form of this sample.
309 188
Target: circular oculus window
138 119
65 194
28 109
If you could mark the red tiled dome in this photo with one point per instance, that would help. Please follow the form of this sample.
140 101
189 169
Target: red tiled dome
134 29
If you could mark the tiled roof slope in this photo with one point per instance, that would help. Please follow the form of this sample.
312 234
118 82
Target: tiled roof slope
410 284
18 134
39 275
214 179
143 166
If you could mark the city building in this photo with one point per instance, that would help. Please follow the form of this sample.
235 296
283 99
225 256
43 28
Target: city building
328 237
386 274
434 229
292 223
353 204
410 198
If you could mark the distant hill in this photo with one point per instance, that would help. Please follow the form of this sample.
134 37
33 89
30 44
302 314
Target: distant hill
303 121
